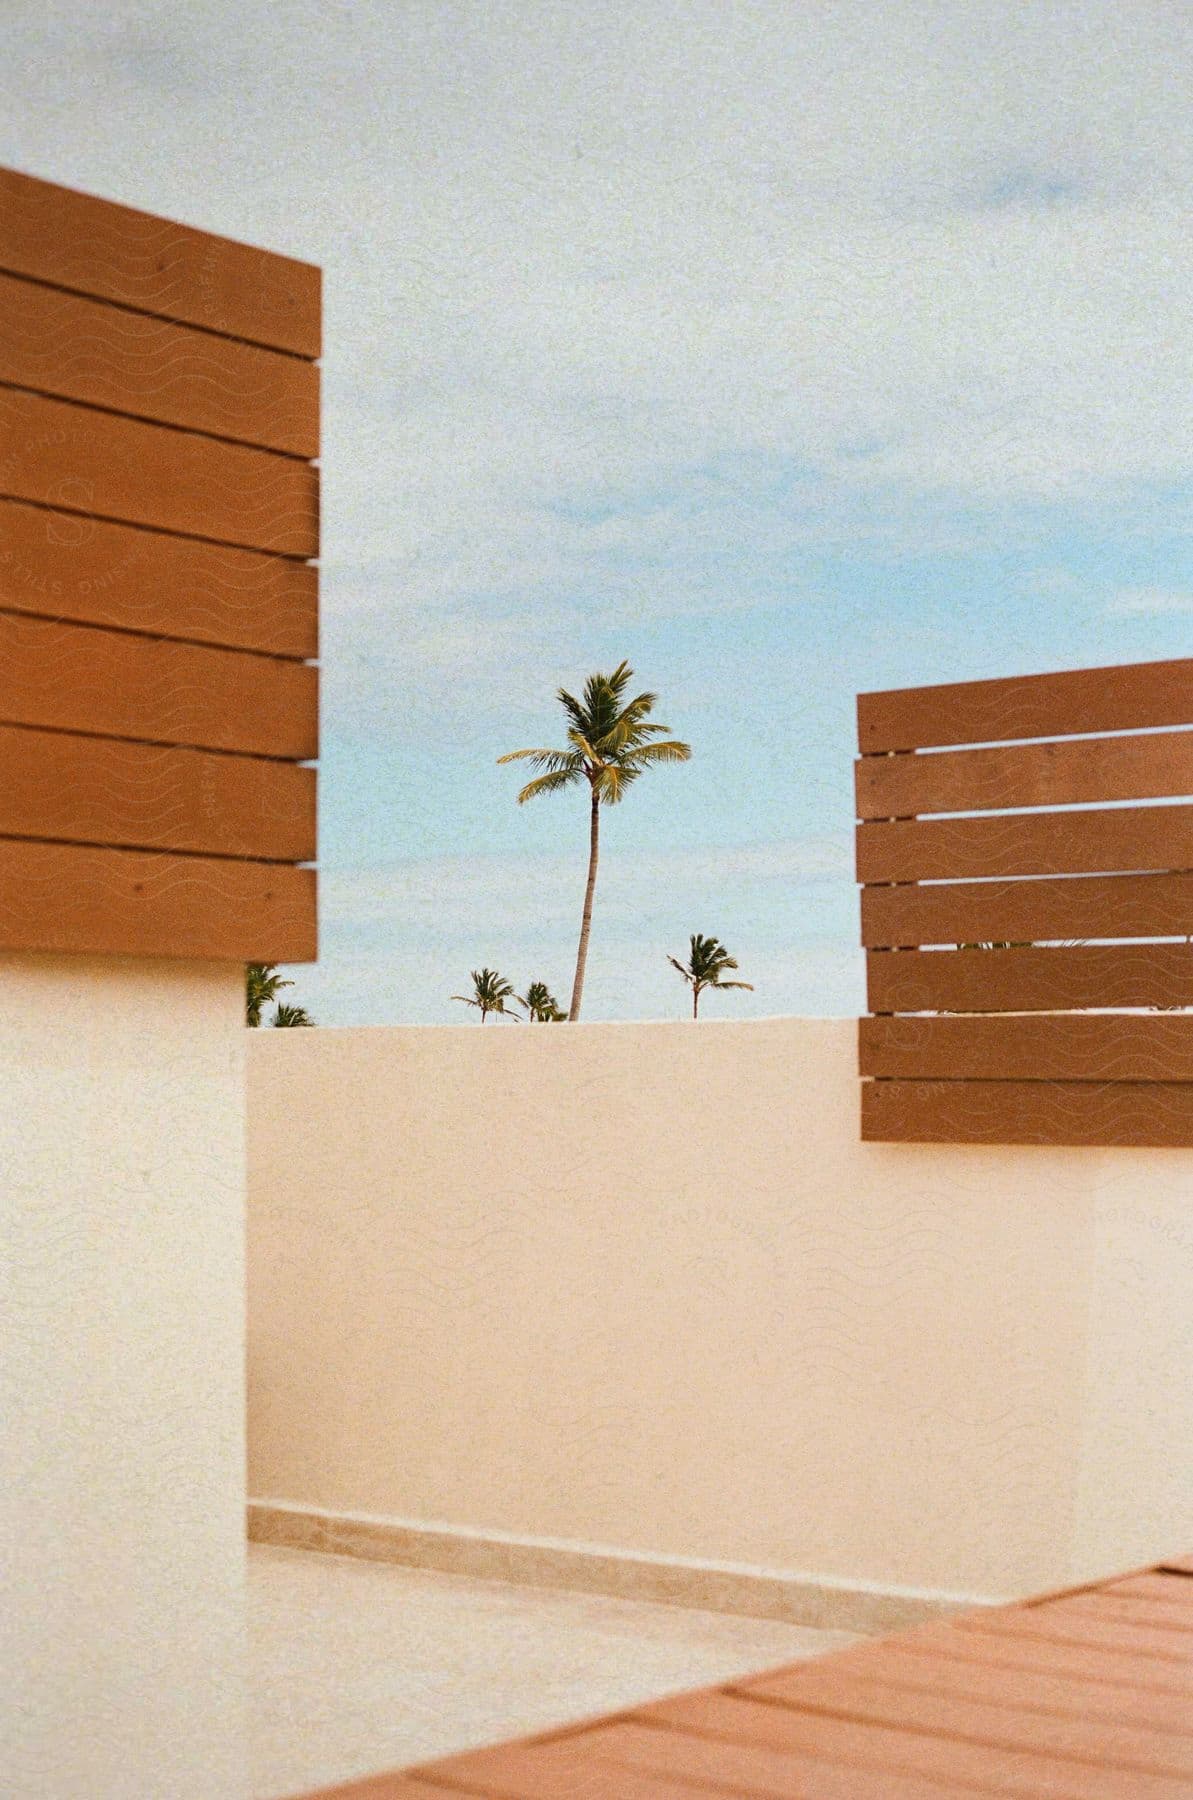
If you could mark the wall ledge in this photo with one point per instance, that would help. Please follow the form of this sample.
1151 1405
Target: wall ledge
795 1598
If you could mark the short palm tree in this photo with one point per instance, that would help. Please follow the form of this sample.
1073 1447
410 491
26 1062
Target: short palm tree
540 1004
291 1015
707 961
490 991
608 746
261 984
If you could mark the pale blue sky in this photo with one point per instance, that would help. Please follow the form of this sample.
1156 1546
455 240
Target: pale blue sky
783 351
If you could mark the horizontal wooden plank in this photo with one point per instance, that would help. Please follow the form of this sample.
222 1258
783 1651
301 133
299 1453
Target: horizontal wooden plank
1089 906
1105 841
1156 1584
693 1763
84 678
1051 979
1041 1690
1060 1623
826 1684
1131 1609
873 1746
1072 772
55 453
73 898
1125 697
157 266
1030 1047
85 350
628 1760
64 566
1146 1113
1118 1674
95 790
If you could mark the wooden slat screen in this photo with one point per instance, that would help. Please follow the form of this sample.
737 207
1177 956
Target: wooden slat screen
159 421
1025 848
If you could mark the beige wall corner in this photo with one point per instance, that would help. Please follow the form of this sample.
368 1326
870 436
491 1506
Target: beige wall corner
642 1287
1135 1484
121 1146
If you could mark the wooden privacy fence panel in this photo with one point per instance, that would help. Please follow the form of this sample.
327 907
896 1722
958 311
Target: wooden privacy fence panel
1010 887
159 417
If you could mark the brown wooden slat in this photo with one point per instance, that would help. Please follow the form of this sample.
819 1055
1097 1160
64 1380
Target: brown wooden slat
868 1746
66 897
1130 1609
1149 1113
1094 1047
1090 906
96 247
64 566
892 1663
102 791
628 1760
827 1685
1119 1674
85 350
1030 980
1064 1622
83 678
55 453
1064 843
1068 773
1127 697
1156 1584
749 1769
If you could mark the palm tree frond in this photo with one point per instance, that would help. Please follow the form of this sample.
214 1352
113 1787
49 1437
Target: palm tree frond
671 752
542 759
549 784
292 1015
582 745
613 781
261 985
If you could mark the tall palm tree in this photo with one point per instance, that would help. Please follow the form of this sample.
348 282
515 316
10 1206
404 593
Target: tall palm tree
490 991
707 961
261 984
291 1015
540 1004
608 747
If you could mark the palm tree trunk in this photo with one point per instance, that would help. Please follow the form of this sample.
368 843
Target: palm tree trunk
695 1001
586 922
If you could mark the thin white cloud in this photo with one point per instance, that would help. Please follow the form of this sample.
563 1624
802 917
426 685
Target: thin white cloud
1148 602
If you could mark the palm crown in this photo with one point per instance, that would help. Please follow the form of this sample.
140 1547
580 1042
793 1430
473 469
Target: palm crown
261 985
540 1004
610 741
291 1015
707 962
490 991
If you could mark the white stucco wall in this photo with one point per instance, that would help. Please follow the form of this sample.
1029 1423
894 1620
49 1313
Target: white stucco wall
122 1199
643 1286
